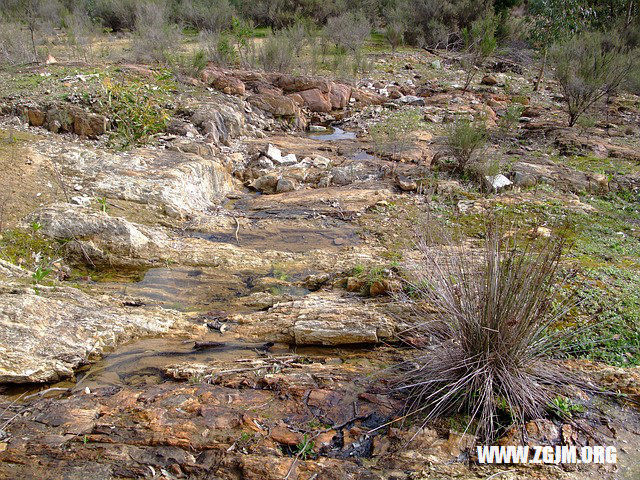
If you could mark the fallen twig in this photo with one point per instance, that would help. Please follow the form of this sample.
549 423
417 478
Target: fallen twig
44 392
237 229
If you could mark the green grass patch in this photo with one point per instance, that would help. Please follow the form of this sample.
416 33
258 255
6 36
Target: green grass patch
28 249
606 166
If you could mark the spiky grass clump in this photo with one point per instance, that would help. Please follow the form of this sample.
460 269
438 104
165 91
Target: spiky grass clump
487 351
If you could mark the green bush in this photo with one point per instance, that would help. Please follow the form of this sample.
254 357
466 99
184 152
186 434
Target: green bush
348 31
136 108
464 140
114 14
155 37
395 133
276 53
209 15
589 67
511 118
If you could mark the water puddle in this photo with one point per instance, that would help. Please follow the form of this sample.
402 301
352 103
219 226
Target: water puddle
143 362
333 134
186 288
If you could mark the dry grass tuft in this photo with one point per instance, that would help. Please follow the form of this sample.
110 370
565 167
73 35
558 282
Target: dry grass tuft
488 353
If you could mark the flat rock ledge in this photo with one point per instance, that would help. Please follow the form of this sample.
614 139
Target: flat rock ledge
325 318
44 336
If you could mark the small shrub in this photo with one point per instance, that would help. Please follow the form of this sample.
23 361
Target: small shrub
511 118
14 44
218 48
589 67
487 352
464 140
114 14
394 134
396 26
480 42
155 37
80 32
209 15
348 31
276 53
137 110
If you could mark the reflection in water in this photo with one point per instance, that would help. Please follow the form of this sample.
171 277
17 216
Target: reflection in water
334 134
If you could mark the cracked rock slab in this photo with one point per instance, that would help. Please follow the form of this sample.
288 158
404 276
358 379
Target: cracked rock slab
44 336
318 319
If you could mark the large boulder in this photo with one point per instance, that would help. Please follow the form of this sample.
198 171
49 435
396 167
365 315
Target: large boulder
223 81
527 173
278 105
182 181
112 234
290 83
68 119
365 97
340 95
315 100
87 124
219 122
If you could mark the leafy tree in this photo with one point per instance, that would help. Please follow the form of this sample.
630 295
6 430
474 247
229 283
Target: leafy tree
480 42
349 30
551 21
396 26
33 14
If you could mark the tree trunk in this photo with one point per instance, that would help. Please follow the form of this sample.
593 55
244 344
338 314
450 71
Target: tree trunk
541 74
33 45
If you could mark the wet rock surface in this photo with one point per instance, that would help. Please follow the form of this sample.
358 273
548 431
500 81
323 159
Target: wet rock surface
46 334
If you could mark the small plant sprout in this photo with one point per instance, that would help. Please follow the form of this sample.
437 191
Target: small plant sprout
305 448
40 274
104 205
35 227
565 407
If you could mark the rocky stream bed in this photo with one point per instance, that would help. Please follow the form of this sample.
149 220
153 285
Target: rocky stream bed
216 328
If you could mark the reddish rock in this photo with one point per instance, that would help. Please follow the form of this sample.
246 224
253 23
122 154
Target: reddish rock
290 83
263 87
281 434
489 80
315 100
340 95
532 112
365 97
223 81
296 97
394 93
278 105
407 90
35 117
229 85
87 124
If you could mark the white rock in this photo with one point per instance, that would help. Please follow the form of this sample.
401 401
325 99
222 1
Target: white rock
497 182
274 153
83 201
290 159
